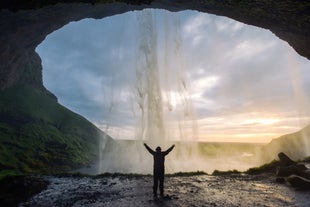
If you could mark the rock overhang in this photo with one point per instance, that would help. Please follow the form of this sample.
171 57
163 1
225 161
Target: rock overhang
25 24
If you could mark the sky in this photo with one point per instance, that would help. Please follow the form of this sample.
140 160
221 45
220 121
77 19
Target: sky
220 80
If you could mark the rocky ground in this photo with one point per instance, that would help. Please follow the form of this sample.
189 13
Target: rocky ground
199 190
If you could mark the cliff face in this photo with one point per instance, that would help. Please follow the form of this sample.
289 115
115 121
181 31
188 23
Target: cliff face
25 24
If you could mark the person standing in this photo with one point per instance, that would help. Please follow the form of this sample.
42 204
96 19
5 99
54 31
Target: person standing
159 168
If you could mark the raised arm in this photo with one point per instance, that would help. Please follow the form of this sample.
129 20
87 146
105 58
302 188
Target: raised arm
169 150
149 149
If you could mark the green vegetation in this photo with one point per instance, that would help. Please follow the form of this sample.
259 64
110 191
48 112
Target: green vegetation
38 135
185 174
266 168
113 175
270 167
306 159
229 172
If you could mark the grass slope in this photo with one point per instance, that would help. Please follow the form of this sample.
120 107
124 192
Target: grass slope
38 135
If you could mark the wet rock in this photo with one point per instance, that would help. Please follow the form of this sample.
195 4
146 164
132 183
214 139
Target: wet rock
16 189
285 160
296 169
289 167
298 175
280 180
299 182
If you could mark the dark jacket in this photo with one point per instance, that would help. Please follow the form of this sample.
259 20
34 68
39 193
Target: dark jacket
159 158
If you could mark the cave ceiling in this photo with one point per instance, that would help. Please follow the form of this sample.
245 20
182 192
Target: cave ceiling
25 24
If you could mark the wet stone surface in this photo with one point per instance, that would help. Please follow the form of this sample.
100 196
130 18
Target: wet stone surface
202 190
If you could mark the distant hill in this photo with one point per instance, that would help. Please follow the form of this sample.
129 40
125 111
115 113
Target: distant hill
38 135
295 145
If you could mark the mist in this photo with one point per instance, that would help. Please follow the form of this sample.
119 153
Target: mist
208 84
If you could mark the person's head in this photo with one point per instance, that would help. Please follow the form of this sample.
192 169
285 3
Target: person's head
158 149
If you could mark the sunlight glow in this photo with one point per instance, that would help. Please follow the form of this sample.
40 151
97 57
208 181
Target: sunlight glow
260 121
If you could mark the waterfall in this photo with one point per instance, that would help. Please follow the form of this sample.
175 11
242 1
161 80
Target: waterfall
161 94
162 111
148 80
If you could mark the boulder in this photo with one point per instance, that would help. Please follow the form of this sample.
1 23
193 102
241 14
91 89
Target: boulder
299 182
297 169
298 175
285 160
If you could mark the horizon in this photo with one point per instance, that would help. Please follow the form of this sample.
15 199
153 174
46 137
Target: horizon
195 141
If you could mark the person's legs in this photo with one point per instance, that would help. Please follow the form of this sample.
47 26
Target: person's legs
155 177
161 184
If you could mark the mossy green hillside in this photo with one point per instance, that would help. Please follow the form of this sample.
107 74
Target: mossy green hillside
37 134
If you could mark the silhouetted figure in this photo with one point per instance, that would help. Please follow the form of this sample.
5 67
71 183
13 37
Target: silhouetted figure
159 168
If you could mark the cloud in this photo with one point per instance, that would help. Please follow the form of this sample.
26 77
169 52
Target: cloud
228 75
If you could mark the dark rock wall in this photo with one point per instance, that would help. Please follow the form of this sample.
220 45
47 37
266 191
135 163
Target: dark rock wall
23 31
25 24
